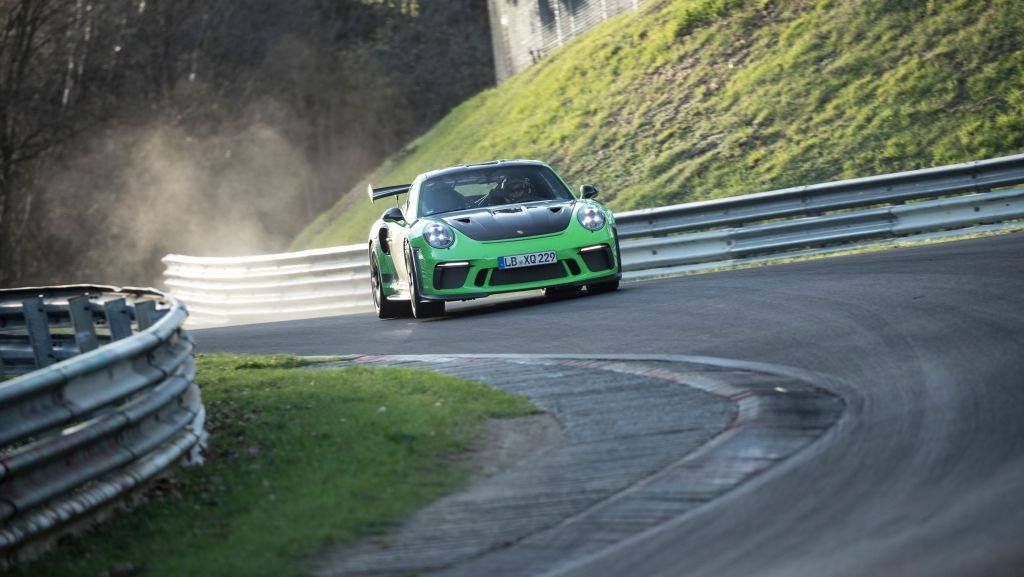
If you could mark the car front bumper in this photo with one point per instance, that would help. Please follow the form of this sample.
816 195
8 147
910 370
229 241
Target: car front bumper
469 269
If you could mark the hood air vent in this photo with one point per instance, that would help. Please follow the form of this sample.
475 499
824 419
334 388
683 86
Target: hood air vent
513 221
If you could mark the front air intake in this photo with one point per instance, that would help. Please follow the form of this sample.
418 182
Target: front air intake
597 258
527 274
450 275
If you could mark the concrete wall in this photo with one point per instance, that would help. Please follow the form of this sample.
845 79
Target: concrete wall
526 31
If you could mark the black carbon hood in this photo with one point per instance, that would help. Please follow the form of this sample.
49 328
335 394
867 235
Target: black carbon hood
513 221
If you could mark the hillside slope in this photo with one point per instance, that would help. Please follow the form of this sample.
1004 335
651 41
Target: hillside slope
695 99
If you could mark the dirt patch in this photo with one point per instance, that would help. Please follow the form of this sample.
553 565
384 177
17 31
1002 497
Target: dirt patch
506 442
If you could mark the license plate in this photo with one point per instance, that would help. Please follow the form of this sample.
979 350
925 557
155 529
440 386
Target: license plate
529 259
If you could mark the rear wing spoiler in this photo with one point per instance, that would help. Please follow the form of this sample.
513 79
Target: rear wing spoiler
385 191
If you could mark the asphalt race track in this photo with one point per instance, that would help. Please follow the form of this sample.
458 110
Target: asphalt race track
922 475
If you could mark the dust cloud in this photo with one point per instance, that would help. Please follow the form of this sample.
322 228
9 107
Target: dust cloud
137 194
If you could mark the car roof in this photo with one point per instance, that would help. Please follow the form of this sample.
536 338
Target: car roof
462 167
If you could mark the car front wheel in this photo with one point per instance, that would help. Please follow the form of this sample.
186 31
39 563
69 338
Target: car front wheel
386 309
421 309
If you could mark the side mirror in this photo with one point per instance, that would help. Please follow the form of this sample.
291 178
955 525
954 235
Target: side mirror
393 214
588 191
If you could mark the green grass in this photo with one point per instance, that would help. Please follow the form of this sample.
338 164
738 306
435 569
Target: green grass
696 99
298 459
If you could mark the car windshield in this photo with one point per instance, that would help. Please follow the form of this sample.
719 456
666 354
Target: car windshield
489 186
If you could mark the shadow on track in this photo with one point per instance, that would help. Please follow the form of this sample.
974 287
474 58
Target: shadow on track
518 302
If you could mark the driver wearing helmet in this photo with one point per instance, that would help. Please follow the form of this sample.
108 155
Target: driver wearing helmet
515 189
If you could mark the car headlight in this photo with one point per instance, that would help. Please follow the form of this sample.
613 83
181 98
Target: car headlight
438 235
591 217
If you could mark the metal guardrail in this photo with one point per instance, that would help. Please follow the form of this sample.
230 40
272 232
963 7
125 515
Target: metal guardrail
655 241
308 283
105 401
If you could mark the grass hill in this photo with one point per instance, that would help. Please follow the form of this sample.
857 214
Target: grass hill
695 99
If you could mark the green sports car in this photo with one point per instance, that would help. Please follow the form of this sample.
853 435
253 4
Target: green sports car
480 229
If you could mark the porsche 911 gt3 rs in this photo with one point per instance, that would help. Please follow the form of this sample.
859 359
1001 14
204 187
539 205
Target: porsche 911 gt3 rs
475 230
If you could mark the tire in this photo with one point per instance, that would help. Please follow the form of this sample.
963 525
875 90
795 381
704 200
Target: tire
385 308
562 292
603 287
421 309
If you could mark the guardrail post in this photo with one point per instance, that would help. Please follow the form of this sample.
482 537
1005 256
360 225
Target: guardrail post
82 321
118 318
144 314
38 331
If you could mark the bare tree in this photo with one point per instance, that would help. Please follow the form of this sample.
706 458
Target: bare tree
27 106
86 84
